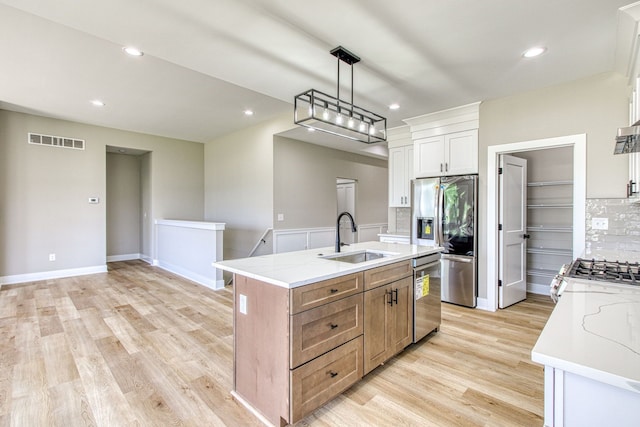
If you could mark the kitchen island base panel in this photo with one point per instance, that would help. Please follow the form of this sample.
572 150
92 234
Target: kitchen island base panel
261 350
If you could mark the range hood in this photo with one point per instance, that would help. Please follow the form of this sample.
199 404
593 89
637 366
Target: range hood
627 140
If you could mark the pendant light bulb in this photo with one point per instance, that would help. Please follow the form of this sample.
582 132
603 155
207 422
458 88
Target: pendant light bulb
362 127
339 119
350 122
325 114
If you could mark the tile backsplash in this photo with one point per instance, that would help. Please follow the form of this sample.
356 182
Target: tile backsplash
623 231
399 220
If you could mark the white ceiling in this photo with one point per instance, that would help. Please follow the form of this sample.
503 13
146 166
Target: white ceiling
207 61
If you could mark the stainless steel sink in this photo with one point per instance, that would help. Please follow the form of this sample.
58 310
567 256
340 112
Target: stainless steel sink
358 257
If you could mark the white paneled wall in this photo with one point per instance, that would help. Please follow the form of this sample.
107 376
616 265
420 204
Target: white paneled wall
312 238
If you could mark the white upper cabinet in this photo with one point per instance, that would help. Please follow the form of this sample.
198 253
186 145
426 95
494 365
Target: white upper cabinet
446 142
450 154
400 175
400 166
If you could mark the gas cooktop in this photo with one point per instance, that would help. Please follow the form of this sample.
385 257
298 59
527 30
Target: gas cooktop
608 271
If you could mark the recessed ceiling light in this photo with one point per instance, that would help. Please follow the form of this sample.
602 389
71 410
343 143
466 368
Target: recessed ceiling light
394 106
534 51
133 51
97 103
248 113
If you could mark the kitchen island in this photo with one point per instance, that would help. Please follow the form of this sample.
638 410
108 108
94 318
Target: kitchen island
590 348
308 326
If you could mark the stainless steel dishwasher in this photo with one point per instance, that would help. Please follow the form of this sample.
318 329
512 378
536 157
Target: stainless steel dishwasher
427 311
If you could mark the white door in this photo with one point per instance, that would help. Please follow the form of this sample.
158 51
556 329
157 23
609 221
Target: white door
346 203
512 257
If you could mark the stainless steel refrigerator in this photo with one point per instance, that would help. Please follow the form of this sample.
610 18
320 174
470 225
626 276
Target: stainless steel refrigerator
444 213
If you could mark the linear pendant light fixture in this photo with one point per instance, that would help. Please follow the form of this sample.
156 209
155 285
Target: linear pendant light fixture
317 110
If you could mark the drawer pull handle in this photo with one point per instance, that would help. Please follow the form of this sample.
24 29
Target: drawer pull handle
395 298
333 325
390 300
333 291
333 374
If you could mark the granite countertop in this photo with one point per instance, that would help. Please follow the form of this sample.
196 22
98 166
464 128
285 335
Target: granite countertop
292 269
594 331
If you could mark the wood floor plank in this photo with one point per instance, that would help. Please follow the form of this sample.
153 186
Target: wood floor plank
70 406
139 346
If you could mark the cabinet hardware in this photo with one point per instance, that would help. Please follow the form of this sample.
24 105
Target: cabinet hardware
333 374
395 298
441 168
333 325
333 291
526 236
446 167
390 300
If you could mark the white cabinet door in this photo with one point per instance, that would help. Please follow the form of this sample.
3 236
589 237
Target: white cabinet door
400 175
450 154
429 157
461 152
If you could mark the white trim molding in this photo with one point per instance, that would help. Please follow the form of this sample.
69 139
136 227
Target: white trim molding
579 144
55 274
123 257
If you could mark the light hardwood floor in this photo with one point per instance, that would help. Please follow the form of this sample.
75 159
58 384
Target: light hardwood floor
140 346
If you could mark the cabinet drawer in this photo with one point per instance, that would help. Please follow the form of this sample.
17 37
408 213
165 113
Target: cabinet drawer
320 380
319 330
316 294
386 274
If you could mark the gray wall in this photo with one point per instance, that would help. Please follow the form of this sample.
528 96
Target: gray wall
595 106
239 184
124 201
44 191
305 184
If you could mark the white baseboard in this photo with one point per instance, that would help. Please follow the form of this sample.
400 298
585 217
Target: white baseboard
188 274
55 274
483 304
148 259
125 257
536 288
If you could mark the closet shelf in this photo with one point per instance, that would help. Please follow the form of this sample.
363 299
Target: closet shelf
550 251
548 183
550 228
550 205
542 272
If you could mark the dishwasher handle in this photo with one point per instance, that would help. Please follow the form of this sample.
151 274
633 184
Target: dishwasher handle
458 259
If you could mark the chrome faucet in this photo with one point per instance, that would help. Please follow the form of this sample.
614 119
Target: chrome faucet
353 228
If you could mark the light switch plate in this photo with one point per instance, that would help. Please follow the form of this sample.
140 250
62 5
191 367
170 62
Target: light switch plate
280 217
600 223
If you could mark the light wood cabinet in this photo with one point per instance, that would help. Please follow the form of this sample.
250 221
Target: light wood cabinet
450 154
400 176
296 349
316 331
388 308
320 380
326 291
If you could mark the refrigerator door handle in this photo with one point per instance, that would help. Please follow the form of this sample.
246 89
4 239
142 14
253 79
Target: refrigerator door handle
440 215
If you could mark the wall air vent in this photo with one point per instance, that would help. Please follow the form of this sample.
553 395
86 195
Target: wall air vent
56 141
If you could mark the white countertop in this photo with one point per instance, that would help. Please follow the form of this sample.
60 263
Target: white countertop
292 269
594 331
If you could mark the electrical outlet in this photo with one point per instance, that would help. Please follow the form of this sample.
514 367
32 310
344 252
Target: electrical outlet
52 257
243 304
600 223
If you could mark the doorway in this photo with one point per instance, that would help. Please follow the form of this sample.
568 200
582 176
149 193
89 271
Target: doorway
127 204
577 144
346 202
